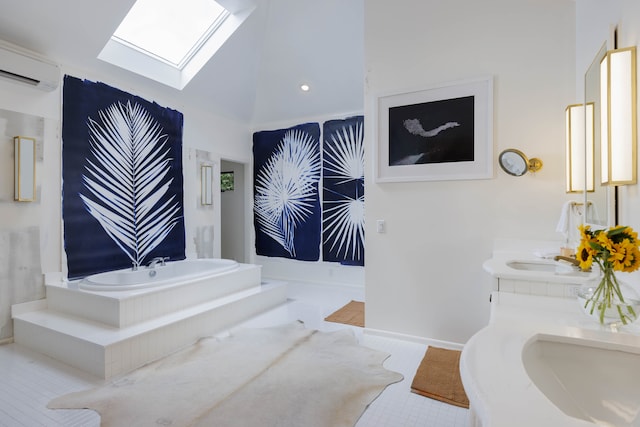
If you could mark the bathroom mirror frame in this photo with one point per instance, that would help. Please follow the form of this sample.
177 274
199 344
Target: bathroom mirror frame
601 201
515 162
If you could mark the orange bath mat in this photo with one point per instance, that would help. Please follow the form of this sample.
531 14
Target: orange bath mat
438 377
350 314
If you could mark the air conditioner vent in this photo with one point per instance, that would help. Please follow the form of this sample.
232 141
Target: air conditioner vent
21 66
18 78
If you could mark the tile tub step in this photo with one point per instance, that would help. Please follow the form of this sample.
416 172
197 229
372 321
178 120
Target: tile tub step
106 351
125 308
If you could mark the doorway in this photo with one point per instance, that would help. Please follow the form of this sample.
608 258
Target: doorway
232 211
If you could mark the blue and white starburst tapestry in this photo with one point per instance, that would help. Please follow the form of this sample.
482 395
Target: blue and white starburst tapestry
122 179
343 191
287 202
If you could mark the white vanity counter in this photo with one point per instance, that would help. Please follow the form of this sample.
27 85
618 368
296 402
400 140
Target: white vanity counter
500 390
528 267
559 272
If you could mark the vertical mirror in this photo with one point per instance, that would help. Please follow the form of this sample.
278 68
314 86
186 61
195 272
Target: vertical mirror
597 201
25 169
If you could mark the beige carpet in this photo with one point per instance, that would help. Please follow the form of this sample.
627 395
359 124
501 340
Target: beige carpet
283 376
438 377
350 314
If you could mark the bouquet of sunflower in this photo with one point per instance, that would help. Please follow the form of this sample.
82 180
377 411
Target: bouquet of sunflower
615 249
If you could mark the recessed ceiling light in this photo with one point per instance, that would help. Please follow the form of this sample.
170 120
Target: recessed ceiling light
305 87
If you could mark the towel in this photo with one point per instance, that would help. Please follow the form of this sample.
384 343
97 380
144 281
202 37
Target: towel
546 253
565 218
592 212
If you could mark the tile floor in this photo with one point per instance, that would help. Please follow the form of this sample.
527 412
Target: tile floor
30 380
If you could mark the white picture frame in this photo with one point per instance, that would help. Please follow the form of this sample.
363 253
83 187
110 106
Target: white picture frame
439 133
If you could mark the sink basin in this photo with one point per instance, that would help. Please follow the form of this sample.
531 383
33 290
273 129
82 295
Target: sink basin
534 266
551 267
586 380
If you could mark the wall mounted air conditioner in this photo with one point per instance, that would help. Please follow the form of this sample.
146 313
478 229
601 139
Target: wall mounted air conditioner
28 68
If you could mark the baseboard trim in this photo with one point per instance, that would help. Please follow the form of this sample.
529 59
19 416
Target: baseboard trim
413 338
6 341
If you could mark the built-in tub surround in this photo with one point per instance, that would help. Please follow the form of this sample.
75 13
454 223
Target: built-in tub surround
109 332
495 377
135 302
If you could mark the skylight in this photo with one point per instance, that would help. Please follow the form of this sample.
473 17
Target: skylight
169 30
170 41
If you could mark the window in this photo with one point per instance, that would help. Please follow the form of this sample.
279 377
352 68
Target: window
170 41
168 30
226 181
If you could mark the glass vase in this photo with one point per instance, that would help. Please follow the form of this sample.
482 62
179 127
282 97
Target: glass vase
610 302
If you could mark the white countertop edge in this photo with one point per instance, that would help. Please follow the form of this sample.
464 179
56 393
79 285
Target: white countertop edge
499 389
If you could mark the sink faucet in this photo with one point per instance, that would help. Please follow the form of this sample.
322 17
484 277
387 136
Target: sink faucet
156 261
570 260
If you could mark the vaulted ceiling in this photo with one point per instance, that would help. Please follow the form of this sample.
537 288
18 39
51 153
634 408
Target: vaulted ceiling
255 77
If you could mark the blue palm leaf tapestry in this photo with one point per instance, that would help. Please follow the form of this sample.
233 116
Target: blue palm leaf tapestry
286 199
343 191
122 179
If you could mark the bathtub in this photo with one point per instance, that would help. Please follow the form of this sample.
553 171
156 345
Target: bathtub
126 319
169 274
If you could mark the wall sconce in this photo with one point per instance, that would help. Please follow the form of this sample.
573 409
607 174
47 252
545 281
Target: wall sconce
206 193
580 145
618 116
25 169
515 163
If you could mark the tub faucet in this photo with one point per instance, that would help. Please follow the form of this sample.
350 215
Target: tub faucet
158 260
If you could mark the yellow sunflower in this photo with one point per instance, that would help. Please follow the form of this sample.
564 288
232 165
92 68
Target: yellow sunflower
604 241
585 232
617 248
631 260
631 234
584 254
617 255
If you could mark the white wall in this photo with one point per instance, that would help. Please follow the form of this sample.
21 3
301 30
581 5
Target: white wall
594 20
314 42
21 223
20 254
219 136
424 276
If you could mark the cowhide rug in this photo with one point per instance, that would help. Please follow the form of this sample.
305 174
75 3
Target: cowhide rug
282 376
